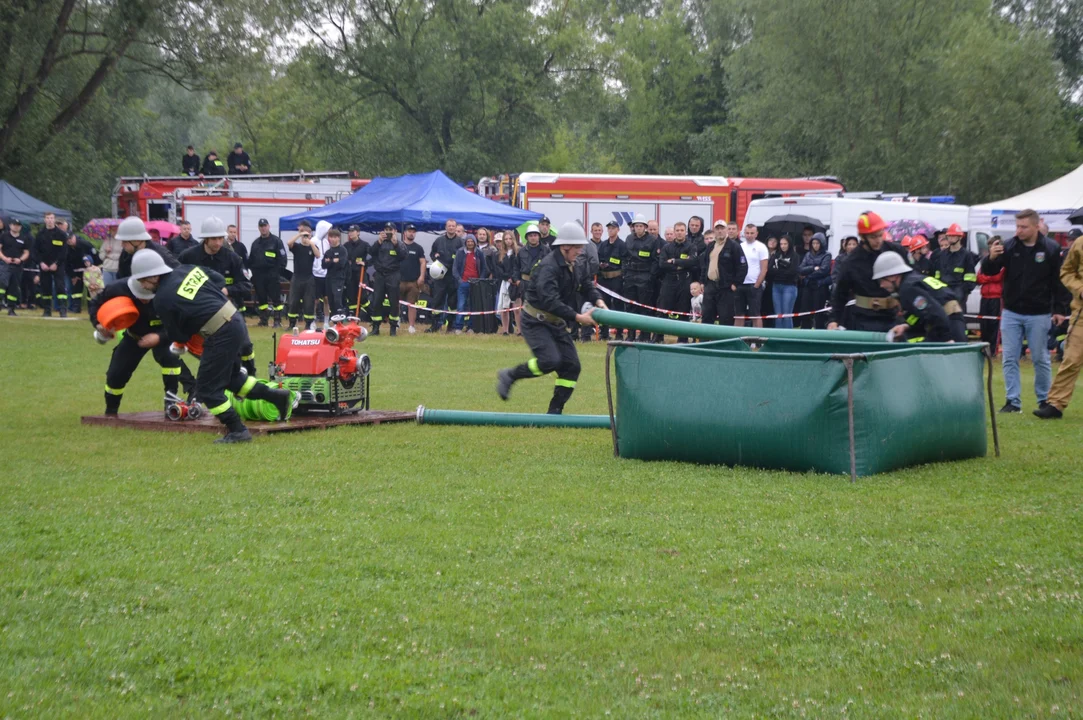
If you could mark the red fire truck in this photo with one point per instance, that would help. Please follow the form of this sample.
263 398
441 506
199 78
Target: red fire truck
239 200
667 199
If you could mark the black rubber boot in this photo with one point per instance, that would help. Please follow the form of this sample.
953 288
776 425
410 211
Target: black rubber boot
263 318
375 329
238 433
561 395
281 398
112 403
278 319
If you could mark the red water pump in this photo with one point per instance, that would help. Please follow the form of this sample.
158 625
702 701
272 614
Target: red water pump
324 368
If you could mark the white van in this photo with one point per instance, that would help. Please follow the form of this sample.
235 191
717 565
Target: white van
839 214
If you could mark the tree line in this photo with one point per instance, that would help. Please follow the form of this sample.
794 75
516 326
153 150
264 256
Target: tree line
975 98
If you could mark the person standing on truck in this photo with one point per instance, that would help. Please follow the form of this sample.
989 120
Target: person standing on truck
266 260
874 309
956 266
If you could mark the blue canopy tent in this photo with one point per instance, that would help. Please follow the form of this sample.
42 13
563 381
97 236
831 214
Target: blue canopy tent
14 203
426 200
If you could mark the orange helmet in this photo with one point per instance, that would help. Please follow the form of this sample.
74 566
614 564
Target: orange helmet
119 313
918 242
954 231
905 242
870 223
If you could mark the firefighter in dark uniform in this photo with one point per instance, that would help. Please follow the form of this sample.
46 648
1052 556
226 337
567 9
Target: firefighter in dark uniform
356 250
612 254
51 253
14 256
236 245
530 255
192 301
266 260
920 255
212 254
444 289
133 237
874 309
548 312
676 262
146 334
929 308
639 270
956 266
386 258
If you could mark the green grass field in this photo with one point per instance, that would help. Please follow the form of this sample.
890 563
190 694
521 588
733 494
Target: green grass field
444 572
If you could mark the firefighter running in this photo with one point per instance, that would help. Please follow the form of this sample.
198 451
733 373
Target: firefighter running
929 307
145 334
192 301
548 313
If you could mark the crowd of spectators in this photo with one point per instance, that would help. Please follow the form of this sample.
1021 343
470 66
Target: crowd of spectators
236 163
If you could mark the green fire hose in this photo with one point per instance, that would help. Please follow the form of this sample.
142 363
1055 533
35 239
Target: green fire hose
427 416
253 410
662 326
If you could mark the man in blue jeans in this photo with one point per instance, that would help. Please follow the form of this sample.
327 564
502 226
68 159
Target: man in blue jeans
1033 296
469 265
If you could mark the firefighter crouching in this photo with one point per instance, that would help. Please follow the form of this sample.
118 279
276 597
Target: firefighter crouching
212 253
930 310
266 260
192 301
145 334
874 309
548 312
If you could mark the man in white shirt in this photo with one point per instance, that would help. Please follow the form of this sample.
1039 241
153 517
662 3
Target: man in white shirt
750 293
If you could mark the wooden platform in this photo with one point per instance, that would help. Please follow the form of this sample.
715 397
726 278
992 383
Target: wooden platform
154 420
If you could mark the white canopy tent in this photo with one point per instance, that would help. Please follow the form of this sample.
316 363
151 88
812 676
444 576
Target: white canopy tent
1054 201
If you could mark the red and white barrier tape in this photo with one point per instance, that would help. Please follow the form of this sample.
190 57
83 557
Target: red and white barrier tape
623 299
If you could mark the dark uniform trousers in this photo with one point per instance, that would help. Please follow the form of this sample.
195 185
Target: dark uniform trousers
554 351
637 287
126 358
302 299
444 291
873 320
676 297
220 369
718 303
615 285
11 278
53 296
385 297
268 294
990 329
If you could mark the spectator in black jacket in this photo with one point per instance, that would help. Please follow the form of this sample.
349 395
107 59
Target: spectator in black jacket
81 255
784 281
1033 295
723 266
239 162
190 162
815 271
183 241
